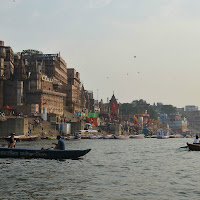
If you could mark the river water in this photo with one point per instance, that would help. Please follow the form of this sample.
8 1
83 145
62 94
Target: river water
114 170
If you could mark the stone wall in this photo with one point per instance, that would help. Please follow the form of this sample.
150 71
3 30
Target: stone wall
19 126
77 126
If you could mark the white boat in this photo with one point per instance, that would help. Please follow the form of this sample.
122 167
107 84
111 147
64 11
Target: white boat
109 137
162 134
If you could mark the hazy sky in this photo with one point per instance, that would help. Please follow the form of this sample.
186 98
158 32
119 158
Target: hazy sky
99 38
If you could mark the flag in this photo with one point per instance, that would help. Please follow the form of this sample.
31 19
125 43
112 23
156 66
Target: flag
44 103
179 130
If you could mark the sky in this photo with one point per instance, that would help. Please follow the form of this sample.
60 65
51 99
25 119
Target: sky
138 49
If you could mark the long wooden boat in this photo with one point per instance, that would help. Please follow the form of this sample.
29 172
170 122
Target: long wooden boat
23 152
194 147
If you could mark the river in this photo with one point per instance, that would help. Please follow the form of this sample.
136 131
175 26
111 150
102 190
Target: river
114 170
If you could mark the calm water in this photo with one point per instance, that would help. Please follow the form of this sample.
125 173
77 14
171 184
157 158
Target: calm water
114 170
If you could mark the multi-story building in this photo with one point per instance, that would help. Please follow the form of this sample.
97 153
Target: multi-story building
73 90
31 82
32 79
191 108
193 118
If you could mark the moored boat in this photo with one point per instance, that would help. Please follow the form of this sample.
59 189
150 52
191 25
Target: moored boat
175 136
72 138
161 134
28 153
121 137
140 136
109 137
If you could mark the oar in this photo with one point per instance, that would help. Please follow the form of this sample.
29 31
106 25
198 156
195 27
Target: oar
41 151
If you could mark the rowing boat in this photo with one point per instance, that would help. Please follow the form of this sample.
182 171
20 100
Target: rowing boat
23 152
194 147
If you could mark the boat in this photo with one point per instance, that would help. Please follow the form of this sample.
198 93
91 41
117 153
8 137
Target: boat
162 134
72 138
121 137
108 137
28 153
188 136
194 147
175 136
140 136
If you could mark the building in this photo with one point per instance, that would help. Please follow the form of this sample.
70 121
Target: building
73 90
191 108
193 118
178 123
32 79
32 83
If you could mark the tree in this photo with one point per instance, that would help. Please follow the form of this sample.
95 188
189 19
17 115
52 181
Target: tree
31 52
168 109
152 113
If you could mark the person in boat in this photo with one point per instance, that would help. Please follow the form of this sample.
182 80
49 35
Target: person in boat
61 144
196 139
12 141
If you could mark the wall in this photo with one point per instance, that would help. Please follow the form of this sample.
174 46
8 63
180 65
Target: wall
19 126
76 126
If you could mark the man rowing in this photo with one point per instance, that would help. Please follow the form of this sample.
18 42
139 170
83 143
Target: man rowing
60 145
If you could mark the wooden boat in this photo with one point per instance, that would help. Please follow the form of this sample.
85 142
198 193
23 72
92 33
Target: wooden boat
175 136
140 136
23 152
121 137
194 147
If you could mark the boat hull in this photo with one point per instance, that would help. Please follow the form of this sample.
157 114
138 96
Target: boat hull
194 147
41 153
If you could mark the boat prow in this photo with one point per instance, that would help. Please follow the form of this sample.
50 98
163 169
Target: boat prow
194 147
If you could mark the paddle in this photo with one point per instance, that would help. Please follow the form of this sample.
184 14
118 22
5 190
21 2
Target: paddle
41 151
